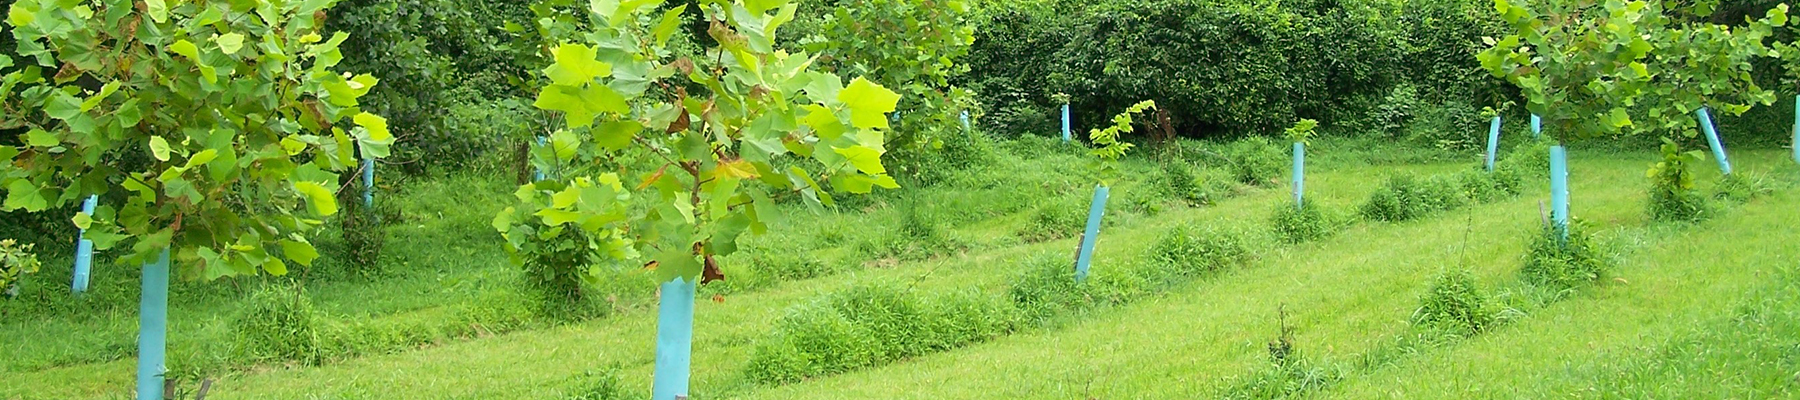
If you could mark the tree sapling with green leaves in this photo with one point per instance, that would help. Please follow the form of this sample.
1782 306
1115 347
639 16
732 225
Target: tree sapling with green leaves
671 162
1107 151
204 127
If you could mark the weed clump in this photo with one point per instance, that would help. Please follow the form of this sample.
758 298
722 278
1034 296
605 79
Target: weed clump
1454 303
872 325
278 323
1404 197
600 384
1053 220
1289 373
1299 224
1047 289
1560 264
1742 187
1191 250
1253 160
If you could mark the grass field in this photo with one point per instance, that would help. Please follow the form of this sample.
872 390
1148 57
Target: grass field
1701 310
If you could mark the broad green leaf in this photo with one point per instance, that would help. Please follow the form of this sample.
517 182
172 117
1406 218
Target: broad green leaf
40 138
555 217
565 144
22 194
504 220
576 65
275 267
62 106
615 135
128 113
158 10
186 49
230 43
671 20
377 126
159 148
299 251
201 158
869 103
319 199
105 91
674 263
865 159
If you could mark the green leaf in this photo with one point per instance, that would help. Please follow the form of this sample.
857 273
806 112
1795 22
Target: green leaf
186 49
40 138
377 126
159 148
504 220
299 251
128 113
615 135
230 42
62 106
671 20
22 194
674 263
864 158
869 103
576 65
565 144
105 91
158 10
319 199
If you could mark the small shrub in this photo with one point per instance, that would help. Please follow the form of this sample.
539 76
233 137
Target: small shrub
1672 194
1482 187
278 323
1562 265
1288 373
1179 181
1254 160
363 235
1528 160
1403 197
1054 220
1299 224
16 260
1045 290
603 384
1191 250
1454 303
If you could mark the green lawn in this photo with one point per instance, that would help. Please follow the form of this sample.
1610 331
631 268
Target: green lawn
1653 328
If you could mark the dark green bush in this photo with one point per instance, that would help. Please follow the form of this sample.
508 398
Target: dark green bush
1483 187
1299 224
278 324
871 325
1562 264
1454 303
1192 250
1046 290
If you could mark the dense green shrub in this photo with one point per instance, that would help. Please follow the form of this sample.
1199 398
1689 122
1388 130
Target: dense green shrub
1559 264
1403 197
1299 224
1191 250
872 325
1482 186
16 260
1254 160
278 324
1045 289
1454 303
1052 220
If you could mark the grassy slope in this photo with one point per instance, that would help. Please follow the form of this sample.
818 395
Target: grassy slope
1346 294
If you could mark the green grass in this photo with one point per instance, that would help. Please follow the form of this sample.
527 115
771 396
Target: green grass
1348 296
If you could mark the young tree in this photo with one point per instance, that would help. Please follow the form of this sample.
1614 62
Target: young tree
1591 68
672 162
204 127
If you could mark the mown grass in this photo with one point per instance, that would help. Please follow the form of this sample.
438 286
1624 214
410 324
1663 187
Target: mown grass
1348 295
